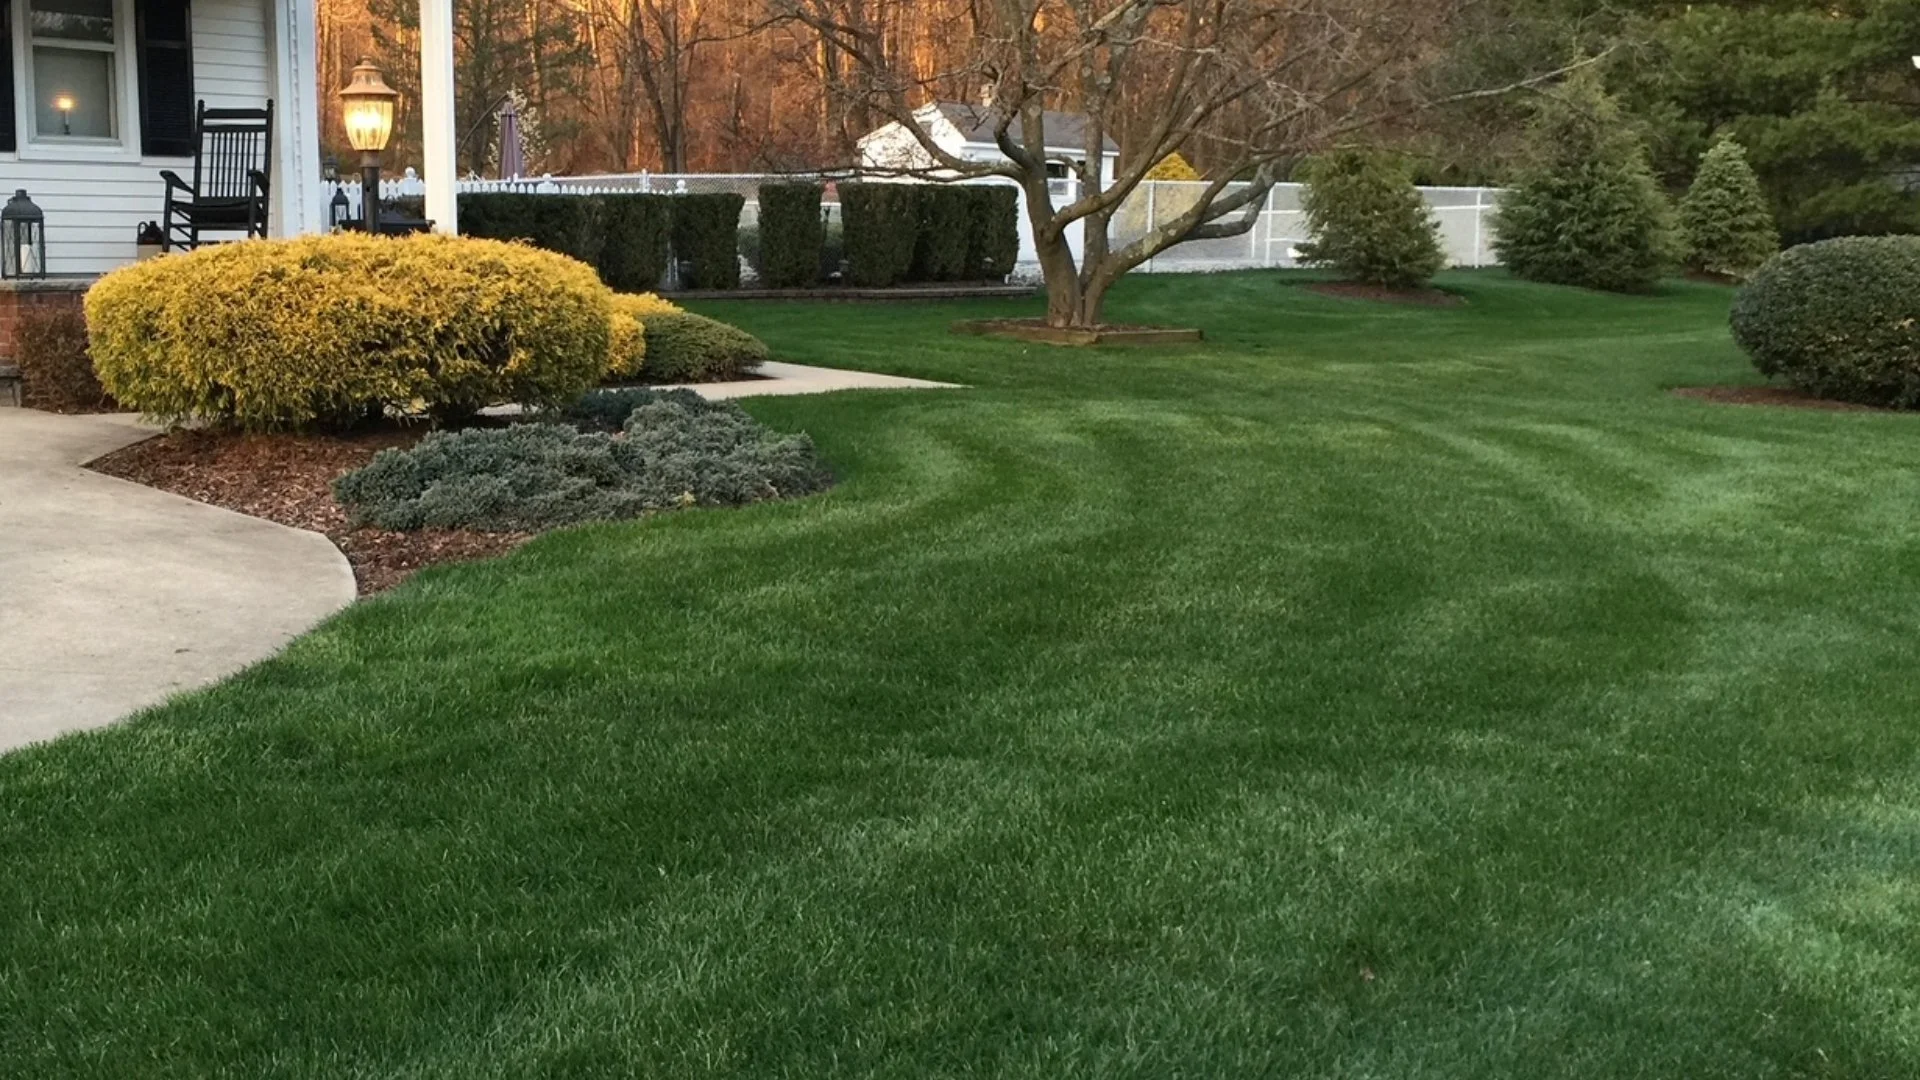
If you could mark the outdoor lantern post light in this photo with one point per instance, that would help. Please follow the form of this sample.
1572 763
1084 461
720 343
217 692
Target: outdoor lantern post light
367 107
23 238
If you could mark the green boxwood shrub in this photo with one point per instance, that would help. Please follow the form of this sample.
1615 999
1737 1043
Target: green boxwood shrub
791 235
706 239
1728 228
946 233
995 232
568 224
1587 210
674 451
1839 319
1368 221
880 230
683 347
638 234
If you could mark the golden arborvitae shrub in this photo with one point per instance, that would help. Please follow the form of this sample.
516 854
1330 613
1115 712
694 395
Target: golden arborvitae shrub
1173 167
270 334
641 305
629 347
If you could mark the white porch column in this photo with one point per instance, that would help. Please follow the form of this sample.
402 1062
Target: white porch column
436 112
297 190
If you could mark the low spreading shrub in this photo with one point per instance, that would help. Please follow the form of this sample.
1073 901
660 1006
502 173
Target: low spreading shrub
880 229
674 451
1728 226
790 235
946 233
995 247
571 225
706 241
683 347
1369 222
607 409
638 230
1839 319
332 329
1587 210
56 369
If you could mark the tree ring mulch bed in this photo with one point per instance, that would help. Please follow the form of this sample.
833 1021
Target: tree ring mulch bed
1107 334
1355 290
1778 396
288 478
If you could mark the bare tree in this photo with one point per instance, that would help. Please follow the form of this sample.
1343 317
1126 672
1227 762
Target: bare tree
1255 84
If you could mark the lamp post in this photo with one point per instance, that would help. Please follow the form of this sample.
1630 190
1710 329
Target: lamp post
367 107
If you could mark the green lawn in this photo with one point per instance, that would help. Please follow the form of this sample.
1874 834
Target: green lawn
1370 692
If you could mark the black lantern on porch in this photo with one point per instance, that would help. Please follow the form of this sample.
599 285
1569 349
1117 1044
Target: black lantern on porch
23 238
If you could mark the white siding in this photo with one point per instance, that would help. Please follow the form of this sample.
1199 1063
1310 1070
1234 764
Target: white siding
93 208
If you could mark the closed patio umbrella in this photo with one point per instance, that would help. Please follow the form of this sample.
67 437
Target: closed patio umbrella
513 159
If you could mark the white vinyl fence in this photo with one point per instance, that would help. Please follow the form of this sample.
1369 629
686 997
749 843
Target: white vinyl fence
1463 214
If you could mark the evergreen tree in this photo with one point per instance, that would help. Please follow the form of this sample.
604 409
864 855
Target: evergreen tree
1586 210
1368 221
1728 228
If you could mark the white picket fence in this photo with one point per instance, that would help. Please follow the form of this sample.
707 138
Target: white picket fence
1462 213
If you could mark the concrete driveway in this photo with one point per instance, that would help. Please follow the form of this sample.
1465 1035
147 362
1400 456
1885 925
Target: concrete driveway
115 596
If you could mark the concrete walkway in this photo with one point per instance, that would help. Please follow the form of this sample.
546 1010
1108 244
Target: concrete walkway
778 379
115 596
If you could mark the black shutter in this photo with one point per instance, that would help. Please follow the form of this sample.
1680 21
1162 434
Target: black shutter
8 142
166 78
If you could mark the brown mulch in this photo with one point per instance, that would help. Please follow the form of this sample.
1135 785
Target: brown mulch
1780 396
288 478
1354 290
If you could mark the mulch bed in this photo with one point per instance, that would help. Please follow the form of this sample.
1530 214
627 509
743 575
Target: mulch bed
1780 396
1037 330
1354 290
288 478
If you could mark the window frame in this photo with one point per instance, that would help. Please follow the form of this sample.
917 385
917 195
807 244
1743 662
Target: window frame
125 145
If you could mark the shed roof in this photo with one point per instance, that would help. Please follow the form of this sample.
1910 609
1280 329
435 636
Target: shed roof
1063 129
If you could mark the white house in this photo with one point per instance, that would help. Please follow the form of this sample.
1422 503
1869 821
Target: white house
99 96
966 132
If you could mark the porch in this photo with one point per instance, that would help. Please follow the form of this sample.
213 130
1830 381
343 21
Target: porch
99 96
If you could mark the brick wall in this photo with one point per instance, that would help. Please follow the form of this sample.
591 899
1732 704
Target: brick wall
36 295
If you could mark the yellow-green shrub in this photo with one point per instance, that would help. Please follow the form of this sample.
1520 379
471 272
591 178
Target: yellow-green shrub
283 333
628 351
626 346
641 305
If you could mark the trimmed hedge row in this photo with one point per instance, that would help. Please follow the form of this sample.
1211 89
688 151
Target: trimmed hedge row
929 232
628 238
791 235
706 239
892 233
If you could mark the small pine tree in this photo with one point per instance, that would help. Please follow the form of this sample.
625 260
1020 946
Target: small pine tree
1587 210
1368 221
1729 229
1173 167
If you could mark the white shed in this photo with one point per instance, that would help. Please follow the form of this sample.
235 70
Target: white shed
966 132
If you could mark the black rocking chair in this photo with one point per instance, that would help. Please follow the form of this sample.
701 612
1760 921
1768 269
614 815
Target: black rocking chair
233 155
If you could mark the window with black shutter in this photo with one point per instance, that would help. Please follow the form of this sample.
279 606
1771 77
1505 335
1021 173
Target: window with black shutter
166 78
8 139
